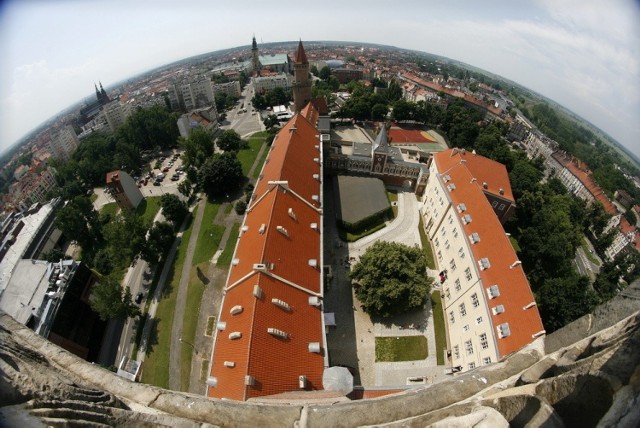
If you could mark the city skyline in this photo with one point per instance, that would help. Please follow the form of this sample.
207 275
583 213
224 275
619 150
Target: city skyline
583 55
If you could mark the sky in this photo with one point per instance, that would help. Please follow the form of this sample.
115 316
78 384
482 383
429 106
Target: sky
583 54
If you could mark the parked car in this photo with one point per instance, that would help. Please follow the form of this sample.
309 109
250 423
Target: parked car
165 169
139 298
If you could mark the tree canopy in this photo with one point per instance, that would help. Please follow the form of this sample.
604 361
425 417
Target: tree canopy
229 141
220 174
390 279
198 146
110 300
173 208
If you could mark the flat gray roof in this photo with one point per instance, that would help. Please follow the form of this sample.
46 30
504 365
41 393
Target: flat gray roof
360 197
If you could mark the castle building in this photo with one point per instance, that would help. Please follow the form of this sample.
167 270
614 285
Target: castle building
255 61
301 81
92 110
489 308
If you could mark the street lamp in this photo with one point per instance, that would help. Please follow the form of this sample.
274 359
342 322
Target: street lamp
188 343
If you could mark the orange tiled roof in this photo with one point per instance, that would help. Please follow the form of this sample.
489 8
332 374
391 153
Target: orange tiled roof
279 254
515 291
484 170
310 113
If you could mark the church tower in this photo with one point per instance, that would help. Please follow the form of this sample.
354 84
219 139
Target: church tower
301 82
255 59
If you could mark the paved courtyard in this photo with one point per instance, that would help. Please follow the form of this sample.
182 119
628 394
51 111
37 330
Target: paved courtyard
352 341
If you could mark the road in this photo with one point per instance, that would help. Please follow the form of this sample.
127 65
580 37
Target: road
243 123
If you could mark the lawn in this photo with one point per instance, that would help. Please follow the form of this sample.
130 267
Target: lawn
148 209
438 325
156 364
209 236
402 348
393 197
426 246
353 237
111 209
224 261
258 170
197 284
248 155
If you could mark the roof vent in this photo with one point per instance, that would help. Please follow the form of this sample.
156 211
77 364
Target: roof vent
315 197
212 381
245 228
503 330
316 160
313 263
292 214
281 303
229 364
316 176
257 291
237 309
278 333
529 306
498 310
235 335
314 347
235 262
221 325
282 230
260 267
538 334
314 226
514 264
501 191
262 229
302 382
485 185
493 291
315 301
249 380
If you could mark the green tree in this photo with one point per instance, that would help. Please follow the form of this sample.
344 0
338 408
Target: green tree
185 187
271 121
220 174
159 240
229 141
390 279
394 92
198 146
173 208
110 300
126 236
314 70
325 72
240 207
562 300
78 221
379 112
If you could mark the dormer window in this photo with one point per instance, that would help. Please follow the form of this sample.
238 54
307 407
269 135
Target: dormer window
493 291
462 208
484 263
466 219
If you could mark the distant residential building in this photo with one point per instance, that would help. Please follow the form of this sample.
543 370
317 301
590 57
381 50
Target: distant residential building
268 83
624 198
206 118
63 143
230 88
20 171
345 75
32 188
626 236
489 308
116 114
124 189
190 94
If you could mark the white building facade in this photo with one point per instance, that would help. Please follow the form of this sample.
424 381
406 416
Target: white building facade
63 143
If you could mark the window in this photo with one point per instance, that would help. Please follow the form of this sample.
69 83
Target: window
498 310
447 294
484 263
494 204
463 309
458 287
462 208
461 253
474 300
504 330
501 207
447 245
474 238
493 291
452 317
455 232
466 219
456 351
479 320
484 343
443 232
472 366
466 327
436 242
450 218
440 255
486 360
468 346
452 265
467 274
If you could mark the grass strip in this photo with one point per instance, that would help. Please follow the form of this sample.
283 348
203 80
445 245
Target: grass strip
401 348
224 261
426 246
437 314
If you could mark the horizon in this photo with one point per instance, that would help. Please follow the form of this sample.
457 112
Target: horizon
582 56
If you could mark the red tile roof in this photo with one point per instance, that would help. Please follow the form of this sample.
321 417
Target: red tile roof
515 291
279 253
483 170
